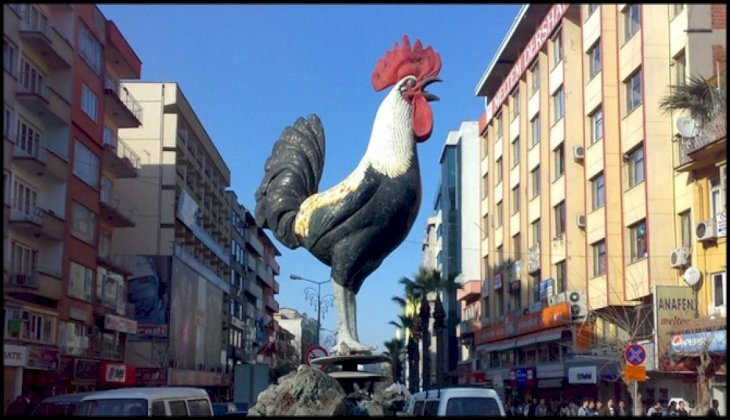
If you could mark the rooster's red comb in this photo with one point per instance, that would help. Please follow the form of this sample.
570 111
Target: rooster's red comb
403 61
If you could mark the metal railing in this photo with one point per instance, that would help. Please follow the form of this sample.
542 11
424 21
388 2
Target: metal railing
711 132
33 214
24 278
127 99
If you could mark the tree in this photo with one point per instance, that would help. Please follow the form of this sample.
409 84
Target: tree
406 325
411 325
699 97
394 350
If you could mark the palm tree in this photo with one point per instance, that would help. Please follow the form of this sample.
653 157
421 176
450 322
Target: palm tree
394 349
428 281
699 97
406 325
411 325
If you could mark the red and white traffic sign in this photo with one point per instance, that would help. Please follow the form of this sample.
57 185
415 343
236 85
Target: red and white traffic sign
315 352
635 354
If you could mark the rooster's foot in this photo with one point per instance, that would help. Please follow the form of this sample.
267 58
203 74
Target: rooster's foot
350 347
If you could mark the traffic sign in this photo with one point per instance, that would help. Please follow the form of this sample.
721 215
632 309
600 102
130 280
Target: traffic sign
315 352
634 373
635 354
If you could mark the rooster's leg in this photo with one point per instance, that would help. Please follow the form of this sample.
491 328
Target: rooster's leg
347 327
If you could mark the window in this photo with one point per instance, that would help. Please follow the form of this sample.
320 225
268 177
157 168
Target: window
516 199
158 409
24 199
485 147
80 281
86 165
559 158
72 338
594 60
637 236
596 125
535 129
32 80
83 223
560 280
685 223
516 247
632 21
89 102
680 69
10 56
105 244
535 227
633 91
91 50
109 288
559 211
498 124
485 186
8 119
29 138
719 289
535 77
599 258
636 166
498 172
499 214
23 259
6 187
535 181
515 110
516 152
717 204
25 325
178 408
199 407
558 102
598 189
557 47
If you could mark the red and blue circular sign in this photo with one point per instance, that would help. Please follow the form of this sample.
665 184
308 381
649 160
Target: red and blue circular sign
635 354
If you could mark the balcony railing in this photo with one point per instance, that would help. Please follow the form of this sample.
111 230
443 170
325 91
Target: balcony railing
711 132
121 149
33 214
112 201
24 278
112 84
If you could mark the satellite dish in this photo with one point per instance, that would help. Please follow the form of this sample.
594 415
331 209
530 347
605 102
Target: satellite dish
687 126
691 276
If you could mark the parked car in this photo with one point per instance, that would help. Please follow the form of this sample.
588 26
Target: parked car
162 401
456 401
59 405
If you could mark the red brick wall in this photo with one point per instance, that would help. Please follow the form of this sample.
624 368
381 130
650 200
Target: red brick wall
718 55
719 16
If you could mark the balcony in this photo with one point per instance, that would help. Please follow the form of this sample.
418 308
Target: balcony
44 102
55 51
271 303
119 158
113 210
533 258
119 55
37 222
706 147
30 154
121 105
254 242
25 279
470 291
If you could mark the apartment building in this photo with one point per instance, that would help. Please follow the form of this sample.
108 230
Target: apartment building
579 190
302 327
178 252
66 314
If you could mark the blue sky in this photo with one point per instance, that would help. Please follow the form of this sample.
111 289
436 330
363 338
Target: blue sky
251 70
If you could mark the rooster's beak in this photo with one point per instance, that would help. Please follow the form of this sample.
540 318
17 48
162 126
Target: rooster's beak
430 96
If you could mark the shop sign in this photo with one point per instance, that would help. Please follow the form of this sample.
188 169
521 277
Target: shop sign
523 377
514 286
675 308
15 355
546 288
714 341
121 324
40 358
86 370
151 376
497 281
115 373
582 375
237 323
79 314
154 330
485 288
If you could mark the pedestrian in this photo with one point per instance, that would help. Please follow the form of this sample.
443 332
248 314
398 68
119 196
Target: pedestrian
623 411
655 410
600 409
584 411
19 406
682 409
672 410
714 411
541 410
611 408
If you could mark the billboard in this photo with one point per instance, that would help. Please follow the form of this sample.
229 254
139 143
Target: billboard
196 317
149 291
675 307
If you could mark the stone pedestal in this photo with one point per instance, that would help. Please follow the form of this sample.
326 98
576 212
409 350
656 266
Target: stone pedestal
349 375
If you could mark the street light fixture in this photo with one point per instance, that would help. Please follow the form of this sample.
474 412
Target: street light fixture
320 303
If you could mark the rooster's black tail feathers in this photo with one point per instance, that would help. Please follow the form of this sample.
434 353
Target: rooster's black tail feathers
292 174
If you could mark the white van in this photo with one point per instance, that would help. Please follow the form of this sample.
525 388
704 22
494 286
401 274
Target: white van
164 401
456 401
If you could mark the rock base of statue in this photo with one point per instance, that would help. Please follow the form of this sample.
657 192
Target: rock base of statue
310 392
350 378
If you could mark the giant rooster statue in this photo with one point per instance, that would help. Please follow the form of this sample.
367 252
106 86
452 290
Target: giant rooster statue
354 225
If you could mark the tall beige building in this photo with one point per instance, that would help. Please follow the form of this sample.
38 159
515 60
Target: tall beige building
579 192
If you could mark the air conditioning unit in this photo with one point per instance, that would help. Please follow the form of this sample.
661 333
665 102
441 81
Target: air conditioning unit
580 221
578 304
679 257
579 153
705 231
559 298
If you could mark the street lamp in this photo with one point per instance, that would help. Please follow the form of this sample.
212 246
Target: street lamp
319 303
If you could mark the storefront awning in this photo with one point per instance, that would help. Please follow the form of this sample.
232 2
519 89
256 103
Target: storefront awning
540 337
497 346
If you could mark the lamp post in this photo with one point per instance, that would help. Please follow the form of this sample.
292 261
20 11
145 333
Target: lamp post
319 303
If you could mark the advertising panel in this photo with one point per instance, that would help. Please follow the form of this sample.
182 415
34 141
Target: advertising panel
675 307
149 292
